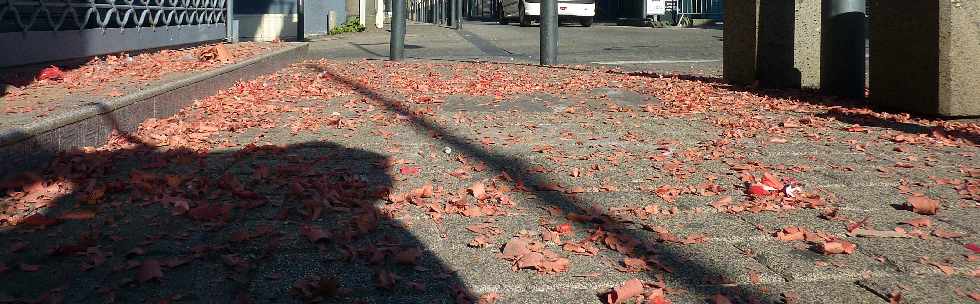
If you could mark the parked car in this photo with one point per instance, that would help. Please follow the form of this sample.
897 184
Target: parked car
526 11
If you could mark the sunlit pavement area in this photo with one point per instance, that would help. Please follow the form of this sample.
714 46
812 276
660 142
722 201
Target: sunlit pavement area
442 180
687 50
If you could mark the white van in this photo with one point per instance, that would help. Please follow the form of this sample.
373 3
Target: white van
526 11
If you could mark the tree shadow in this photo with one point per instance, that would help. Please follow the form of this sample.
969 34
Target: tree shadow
693 275
135 222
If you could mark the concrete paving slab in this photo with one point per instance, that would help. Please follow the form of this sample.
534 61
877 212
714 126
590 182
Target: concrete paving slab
796 262
922 288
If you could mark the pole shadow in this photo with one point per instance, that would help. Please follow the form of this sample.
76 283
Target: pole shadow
846 110
691 273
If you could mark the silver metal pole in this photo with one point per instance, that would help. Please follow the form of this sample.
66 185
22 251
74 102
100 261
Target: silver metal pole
300 23
232 34
549 32
458 11
396 49
843 48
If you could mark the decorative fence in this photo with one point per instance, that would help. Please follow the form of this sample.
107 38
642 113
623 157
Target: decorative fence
480 9
706 9
430 11
438 12
34 31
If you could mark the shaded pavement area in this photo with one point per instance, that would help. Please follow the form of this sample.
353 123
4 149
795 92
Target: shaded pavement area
456 182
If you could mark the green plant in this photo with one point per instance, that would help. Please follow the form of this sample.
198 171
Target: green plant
352 25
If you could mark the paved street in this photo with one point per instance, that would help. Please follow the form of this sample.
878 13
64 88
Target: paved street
691 51
346 179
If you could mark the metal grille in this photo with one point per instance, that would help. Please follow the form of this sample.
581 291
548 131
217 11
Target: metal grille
430 11
33 31
700 8
57 15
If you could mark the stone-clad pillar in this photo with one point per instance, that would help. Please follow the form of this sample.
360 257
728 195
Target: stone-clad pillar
741 29
789 43
925 56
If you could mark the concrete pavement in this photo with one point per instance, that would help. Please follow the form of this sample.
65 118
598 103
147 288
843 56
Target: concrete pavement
344 180
686 50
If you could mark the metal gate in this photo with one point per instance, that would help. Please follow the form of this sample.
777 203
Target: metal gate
438 12
480 9
34 31
698 9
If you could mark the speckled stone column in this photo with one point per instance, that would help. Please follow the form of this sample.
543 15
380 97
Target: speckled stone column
741 38
789 43
925 55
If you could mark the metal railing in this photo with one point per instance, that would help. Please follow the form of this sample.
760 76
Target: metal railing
438 12
480 8
699 9
46 30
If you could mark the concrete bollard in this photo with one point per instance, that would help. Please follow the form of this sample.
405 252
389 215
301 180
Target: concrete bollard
925 55
788 51
741 28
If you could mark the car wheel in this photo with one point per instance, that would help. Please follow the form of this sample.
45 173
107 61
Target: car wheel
525 19
501 18
585 21
685 22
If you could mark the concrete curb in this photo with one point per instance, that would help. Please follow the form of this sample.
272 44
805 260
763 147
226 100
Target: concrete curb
29 146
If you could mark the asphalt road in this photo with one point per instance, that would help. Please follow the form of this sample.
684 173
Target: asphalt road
687 50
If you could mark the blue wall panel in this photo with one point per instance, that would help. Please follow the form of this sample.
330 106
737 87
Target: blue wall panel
316 11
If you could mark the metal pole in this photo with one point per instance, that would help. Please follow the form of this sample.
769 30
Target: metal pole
549 32
362 12
299 21
397 43
843 48
232 34
451 7
458 5
643 9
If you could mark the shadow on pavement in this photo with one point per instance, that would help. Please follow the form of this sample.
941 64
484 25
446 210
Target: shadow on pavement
637 244
849 111
131 222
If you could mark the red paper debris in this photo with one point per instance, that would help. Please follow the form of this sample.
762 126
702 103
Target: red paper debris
77 215
772 181
973 247
919 222
410 170
630 289
149 270
759 189
923 205
40 220
837 247
50 73
478 190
